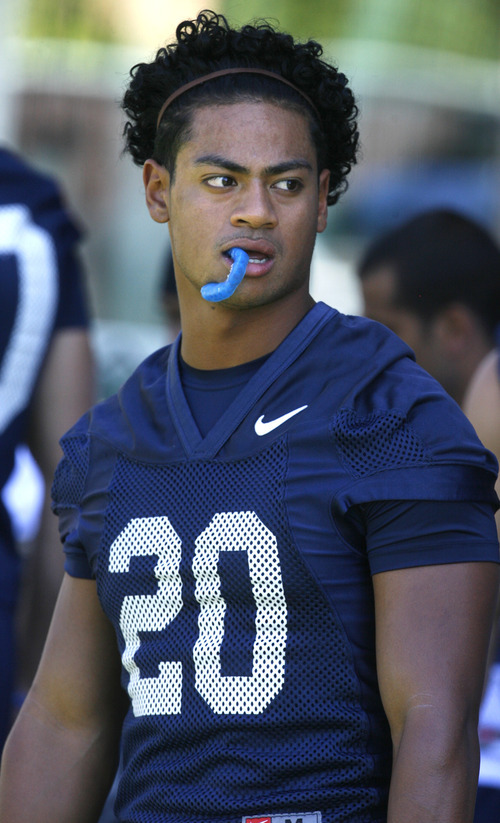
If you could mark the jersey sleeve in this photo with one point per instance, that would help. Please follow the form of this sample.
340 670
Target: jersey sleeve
73 306
46 212
67 494
404 534
52 214
426 451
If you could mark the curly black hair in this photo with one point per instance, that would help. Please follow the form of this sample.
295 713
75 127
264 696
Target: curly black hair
209 44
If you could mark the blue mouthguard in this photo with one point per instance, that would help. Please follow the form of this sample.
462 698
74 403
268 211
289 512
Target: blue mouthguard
215 292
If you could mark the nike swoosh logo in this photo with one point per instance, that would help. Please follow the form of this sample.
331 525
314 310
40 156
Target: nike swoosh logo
262 428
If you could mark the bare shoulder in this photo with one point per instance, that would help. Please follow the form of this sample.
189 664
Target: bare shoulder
482 402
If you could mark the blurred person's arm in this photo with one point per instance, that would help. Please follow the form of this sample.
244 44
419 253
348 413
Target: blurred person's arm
65 391
482 407
61 755
433 626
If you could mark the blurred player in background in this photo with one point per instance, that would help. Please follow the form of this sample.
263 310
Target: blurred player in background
45 383
282 524
482 407
435 281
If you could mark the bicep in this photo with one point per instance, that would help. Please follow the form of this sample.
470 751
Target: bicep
61 755
65 391
432 630
78 679
482 407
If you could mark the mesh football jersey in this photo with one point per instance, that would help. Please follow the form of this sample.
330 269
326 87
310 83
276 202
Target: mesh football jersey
243 614
40 290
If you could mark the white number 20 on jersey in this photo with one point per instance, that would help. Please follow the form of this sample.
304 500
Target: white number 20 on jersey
226 532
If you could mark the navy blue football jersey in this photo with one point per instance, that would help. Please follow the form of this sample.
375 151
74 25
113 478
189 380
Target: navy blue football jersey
243 610
40 291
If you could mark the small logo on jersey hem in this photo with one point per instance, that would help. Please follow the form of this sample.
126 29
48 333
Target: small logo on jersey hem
303 817
262 428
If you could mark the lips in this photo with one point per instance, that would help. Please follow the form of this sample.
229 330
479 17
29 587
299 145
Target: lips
260 252
254 248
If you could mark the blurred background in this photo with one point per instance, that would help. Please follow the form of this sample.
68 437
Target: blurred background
426 75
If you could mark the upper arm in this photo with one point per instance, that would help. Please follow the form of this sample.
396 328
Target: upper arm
482 407
433 625
61 755
65 391
482 403
78 680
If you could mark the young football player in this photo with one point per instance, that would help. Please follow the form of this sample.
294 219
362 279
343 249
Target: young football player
279 534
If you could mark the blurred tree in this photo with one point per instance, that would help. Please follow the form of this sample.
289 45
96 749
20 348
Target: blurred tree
70 19
320 20
462 26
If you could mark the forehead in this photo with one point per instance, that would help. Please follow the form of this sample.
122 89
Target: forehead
256 131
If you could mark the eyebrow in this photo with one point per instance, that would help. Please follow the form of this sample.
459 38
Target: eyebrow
269 171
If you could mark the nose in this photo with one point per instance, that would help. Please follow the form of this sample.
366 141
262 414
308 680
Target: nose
254 207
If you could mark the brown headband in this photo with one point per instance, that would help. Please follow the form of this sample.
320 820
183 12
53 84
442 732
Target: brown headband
223 72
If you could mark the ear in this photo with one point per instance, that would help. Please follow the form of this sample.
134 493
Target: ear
324 181
156 186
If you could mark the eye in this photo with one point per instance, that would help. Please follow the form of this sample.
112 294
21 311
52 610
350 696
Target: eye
220 181
290 184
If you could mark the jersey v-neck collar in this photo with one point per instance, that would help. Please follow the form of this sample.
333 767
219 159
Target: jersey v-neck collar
287 352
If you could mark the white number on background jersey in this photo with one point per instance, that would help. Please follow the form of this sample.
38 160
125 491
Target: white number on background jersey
38 288
231 532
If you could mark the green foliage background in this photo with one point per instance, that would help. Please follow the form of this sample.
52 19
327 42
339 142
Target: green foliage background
70 19
470 27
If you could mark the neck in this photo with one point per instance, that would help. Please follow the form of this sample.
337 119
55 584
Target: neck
216 337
